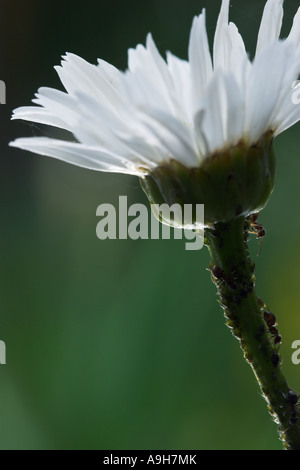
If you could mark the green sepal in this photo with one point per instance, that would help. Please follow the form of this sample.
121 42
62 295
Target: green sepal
238 181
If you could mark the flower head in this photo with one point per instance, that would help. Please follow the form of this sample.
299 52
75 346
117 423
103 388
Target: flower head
160 111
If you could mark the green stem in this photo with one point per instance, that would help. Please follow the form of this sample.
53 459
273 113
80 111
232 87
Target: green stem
232 271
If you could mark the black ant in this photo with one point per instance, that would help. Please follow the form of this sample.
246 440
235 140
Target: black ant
258 229
220 275
270 320
218 272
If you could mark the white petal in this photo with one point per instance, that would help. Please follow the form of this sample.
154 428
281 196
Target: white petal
235 110
294 35
200 137
59 104
229 49
99 126
173 135
291 118
288 108
40 115
214 120
142 91
199 57
238 62
270 25
148 81
264 87
109 73
76 74
180 73
219 49
223 112
160 64
77 154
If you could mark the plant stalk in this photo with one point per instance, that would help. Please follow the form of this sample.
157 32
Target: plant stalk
233 273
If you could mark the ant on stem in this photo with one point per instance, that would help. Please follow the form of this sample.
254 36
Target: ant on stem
270 320
259 231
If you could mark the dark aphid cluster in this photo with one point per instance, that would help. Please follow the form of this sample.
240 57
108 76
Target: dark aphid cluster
292 398
270 320
238 288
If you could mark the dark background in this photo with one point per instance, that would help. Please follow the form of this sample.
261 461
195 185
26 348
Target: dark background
121 344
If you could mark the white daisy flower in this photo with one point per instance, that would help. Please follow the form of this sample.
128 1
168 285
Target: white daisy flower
160 110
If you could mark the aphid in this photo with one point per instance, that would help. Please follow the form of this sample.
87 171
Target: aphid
293 418
277 339
270 320
275 359
258 229
274 332
292 397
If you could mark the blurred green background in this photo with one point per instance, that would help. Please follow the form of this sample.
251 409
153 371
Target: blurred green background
121 344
